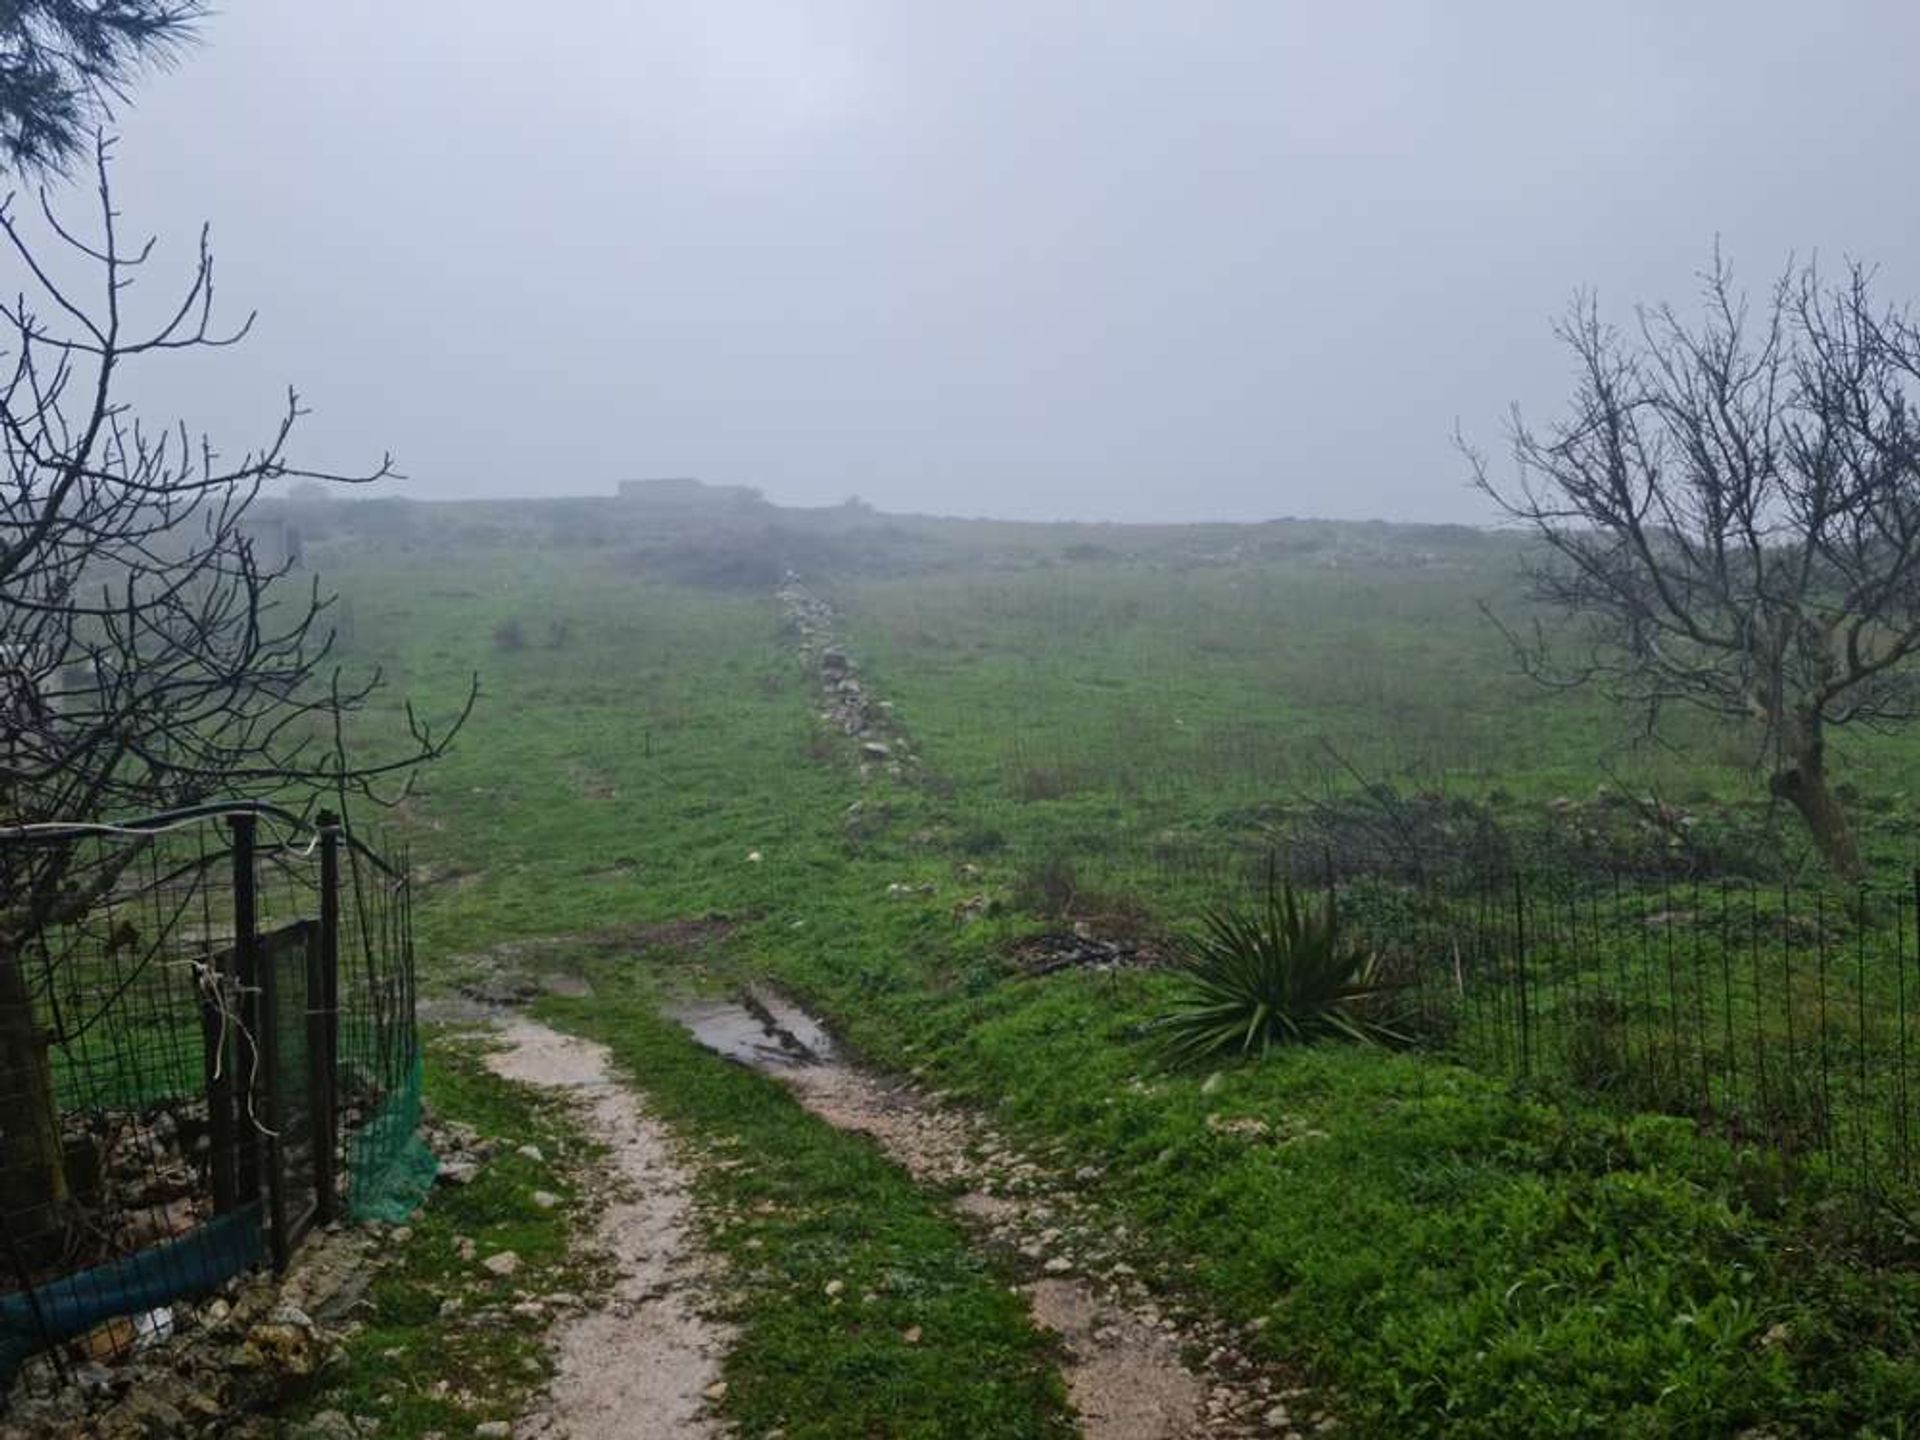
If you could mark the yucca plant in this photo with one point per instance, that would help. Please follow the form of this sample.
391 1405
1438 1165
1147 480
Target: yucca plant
1281 973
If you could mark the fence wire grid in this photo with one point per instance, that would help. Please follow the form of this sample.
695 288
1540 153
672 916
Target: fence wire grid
202 1016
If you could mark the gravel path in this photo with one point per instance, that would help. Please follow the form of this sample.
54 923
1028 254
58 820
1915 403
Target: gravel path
640 1367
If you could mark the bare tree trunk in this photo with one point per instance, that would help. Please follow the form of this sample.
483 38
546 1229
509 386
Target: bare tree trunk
1803 785
33 1179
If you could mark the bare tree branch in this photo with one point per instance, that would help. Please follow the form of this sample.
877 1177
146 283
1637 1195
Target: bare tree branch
1730 516
155 651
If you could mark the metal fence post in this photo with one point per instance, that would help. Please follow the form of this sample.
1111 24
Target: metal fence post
323 1019
246 974
272 1100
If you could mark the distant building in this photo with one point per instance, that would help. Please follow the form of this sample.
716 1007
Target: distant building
684 492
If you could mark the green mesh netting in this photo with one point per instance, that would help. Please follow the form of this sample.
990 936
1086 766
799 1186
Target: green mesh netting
389 1167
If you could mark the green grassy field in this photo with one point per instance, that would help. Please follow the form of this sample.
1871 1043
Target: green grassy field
1447 1252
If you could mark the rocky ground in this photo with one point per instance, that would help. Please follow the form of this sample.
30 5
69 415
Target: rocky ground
207 1366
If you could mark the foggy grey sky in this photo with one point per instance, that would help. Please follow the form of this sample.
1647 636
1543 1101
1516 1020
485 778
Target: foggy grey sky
1177 260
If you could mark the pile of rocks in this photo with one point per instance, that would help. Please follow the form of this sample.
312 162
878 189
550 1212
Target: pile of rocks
849 706
138 1176
213 1364
203 1367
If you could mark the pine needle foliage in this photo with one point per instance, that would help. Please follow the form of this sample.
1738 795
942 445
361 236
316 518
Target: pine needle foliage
1283 972
63 64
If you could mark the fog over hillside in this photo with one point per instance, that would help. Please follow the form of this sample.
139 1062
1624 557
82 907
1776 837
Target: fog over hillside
1134 261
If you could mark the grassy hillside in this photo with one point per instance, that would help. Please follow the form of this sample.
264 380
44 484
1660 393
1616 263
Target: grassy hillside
1450 1253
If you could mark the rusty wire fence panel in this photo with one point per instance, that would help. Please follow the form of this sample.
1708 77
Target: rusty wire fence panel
181 1071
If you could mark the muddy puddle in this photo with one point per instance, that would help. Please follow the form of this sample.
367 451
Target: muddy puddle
760 1029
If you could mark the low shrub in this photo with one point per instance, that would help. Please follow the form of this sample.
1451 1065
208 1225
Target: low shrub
1285 972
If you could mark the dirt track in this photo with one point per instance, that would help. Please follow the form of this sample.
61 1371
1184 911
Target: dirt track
639 1366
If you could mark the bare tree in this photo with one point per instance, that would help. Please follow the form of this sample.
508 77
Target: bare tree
152 653
64 62
1730 515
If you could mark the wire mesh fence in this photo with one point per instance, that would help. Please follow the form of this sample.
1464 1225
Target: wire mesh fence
198 1011
1772 1011
1778 1014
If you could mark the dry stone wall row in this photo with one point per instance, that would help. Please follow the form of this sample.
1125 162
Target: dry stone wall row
848 703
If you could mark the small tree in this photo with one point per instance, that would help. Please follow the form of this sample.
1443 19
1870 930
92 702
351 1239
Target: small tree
1730 516
149 657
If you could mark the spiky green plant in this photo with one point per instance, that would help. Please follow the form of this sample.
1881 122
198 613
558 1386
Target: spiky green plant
1284 972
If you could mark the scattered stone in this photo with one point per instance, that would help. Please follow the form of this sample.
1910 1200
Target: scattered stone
503 1264
545 1199
849 706
974 907
287 1342
1240 1127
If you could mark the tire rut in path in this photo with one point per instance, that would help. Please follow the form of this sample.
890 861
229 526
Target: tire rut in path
1123 1361
638 1367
